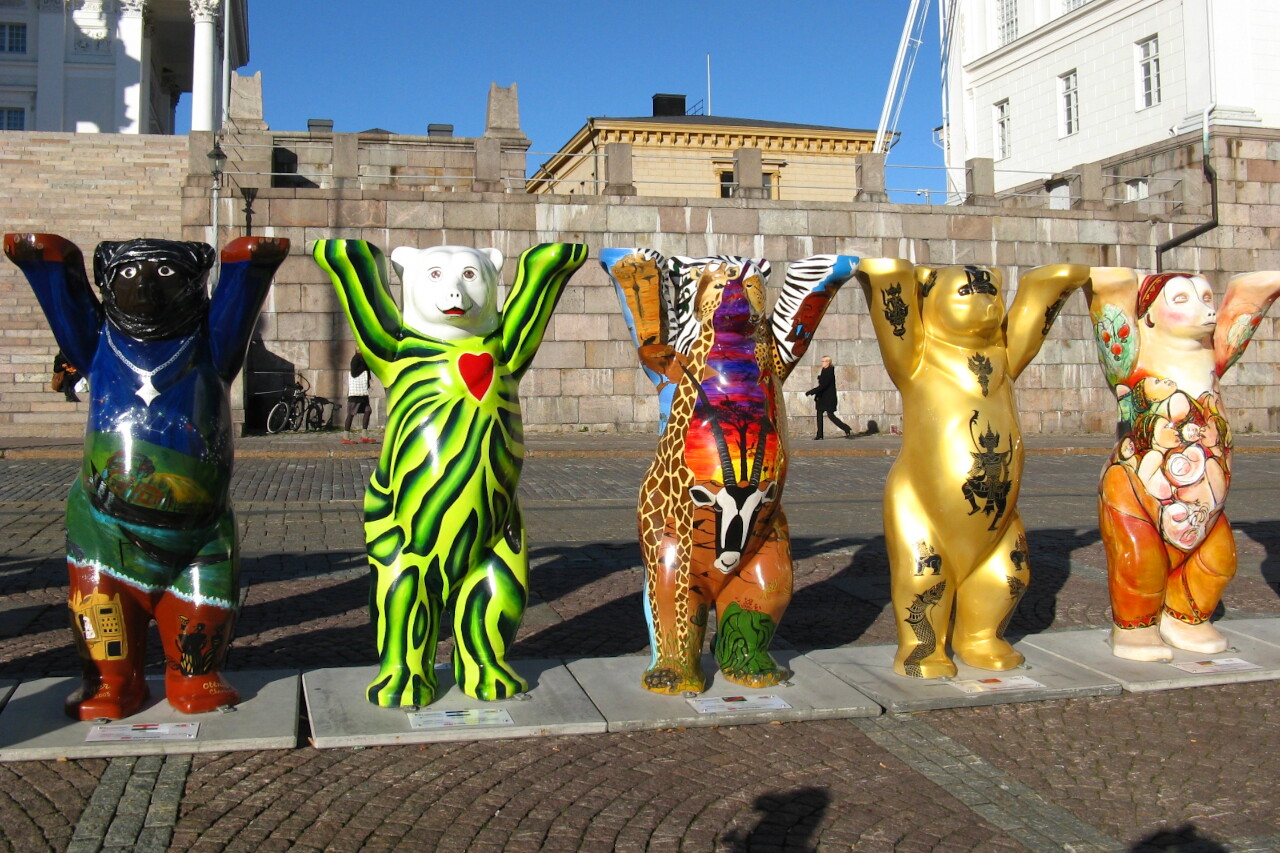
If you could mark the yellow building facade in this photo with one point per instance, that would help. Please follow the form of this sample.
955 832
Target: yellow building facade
686 156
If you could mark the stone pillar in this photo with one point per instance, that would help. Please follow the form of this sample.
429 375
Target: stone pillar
617 169
869 172
748 173
51 75
503 115
204 63
980 181
1087 187
133 68
346 160
488 177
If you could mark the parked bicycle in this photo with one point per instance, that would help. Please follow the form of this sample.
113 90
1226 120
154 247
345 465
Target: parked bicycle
298 409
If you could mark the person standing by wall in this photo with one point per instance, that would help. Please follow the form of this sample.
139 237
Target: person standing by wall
65 377
824 398
358 399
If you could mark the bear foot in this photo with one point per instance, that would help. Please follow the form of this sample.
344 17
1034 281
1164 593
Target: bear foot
757 676
198 694
400 687
936 665
1203 638
495 683
1142 644
993 653
108 698
673 680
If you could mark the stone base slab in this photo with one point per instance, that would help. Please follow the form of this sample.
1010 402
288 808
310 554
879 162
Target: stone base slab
34 727
870 670
342 716
1092 649
813 694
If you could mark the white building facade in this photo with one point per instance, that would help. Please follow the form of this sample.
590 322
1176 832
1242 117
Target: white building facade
117 66
1040 86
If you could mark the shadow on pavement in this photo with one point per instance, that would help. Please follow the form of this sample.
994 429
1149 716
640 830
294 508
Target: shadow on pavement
789 821
1184 839
1266 534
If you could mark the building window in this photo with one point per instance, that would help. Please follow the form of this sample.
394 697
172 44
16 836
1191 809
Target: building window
1136 189
13 38
1001 110
1072 5
727 185
1148 53
1006 21
1070 99
13 118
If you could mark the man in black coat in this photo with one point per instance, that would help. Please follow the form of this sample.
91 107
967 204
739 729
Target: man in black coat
824 397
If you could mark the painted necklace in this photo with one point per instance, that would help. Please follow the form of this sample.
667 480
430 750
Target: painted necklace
147 391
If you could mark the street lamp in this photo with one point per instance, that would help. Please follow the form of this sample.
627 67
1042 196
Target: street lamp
217 163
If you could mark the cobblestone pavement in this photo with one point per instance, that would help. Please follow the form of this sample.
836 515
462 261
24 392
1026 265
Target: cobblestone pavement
1187 770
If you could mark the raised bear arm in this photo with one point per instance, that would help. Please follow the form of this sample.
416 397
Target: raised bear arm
807 291
1248 298
541 277
639 280
54 266
1041 294
358 270
893 301
248 263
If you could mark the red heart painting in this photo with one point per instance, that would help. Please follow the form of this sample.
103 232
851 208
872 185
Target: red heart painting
476 370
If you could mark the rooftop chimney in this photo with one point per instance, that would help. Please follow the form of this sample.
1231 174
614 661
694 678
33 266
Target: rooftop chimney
668 105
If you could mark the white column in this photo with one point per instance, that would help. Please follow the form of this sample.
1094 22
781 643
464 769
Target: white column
51 76
204 64
133 68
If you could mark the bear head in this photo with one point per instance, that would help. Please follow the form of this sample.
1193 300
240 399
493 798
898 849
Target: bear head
450 292
153 289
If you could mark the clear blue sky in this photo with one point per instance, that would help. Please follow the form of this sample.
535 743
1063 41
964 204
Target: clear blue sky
402 65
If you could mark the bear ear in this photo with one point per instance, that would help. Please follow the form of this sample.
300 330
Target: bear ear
495 258
205 255
401 256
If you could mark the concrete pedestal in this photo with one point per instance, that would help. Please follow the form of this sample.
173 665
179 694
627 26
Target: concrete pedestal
1092 650
870 669
33 725
812 694
342 716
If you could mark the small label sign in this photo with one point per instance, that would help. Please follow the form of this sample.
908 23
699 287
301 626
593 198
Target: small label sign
469 717
996 685
735 704
122 732
1205 667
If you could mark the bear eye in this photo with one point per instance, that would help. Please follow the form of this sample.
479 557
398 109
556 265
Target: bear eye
469 273
165 270
129 272
435 272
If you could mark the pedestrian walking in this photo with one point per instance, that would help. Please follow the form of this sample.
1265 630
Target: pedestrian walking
65 377
358 400
824 398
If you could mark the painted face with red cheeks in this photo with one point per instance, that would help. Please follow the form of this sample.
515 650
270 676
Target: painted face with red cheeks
1185 308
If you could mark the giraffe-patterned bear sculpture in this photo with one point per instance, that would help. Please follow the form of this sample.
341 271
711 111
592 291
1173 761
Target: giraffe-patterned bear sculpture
712 529
442 519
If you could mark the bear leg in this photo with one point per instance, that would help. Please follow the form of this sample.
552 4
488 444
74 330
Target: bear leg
109 621
406 616
195 639
486 615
